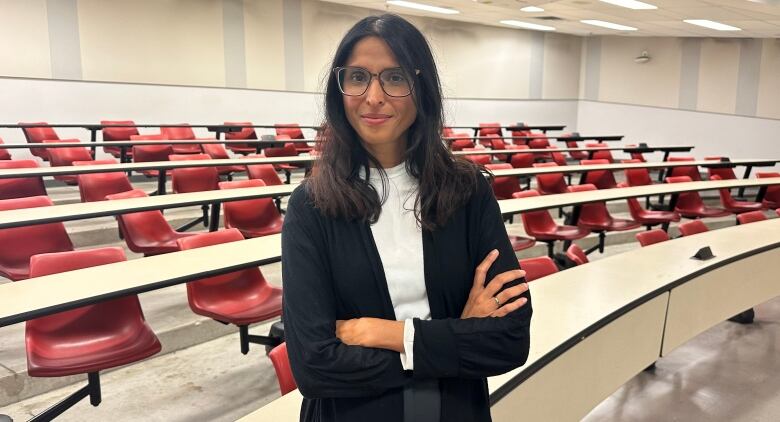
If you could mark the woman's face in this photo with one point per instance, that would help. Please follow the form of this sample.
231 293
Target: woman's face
378 118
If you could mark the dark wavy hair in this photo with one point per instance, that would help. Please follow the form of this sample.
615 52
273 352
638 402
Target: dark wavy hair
445 182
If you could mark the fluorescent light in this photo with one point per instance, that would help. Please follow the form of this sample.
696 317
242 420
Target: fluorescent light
420 6
712 24
610 25
631 4
527 25
532 9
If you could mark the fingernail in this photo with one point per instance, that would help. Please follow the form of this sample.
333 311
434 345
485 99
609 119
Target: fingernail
494 252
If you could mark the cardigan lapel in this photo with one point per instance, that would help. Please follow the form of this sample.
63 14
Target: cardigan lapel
377 268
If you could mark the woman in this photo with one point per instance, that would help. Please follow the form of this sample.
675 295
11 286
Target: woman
401 289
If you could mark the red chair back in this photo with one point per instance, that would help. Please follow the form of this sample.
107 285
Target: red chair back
550 183
692 227
245 133
59 157
600 155
504 187
145 232
254 217
281 362
193 179
652 236
536 268
264 172
690 171
592 213
36 135
725 173
601 179
540 141
577 155
576 254
751 217
215 151
183 132
293 131
18 244
21 187
479 159
772 195
535 222
521 160
638 176
94 187
4 154
118 133
490 129
460 144
557 157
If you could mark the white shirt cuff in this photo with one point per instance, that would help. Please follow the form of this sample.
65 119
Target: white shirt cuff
407 357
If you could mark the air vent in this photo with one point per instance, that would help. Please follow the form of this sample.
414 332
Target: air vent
549 18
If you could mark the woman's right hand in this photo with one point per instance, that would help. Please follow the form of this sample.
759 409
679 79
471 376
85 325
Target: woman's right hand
484 300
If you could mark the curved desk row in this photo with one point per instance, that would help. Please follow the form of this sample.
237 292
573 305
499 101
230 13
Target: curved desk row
597 325
543 128
78 211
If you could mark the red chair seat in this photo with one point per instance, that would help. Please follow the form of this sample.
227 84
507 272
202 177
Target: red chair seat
690 205
245 133
772 195
23 186
576 254
182 133
734 206
281 362
253 217
751 217
241 297
504 187
65 157
536 268
651 237
147 232
601 179
118 134
648 217
36 135
550 183
519 243
91 338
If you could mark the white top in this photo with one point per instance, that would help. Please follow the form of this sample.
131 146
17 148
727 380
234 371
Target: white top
398 239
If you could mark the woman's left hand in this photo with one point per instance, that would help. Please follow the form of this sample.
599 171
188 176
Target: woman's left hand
371 332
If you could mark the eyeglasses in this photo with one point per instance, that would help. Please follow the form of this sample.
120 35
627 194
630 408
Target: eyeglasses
354 81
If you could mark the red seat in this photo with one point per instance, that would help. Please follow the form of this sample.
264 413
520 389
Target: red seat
536 268
690 171
636 157
265 172
150 153
59 157
751 217
540 141
490 129
594 216
246 133
240 297
23 186
94 187
182 133
649 218
550 183
217 152
88 339
557 157
521 160
541 226
146 232
193 179
725 173
600 155
36 135
479 159
253 217
460 144
690 204
294 132
4 154
18 244
504 187
637 176
692 227
652 236
733 206
771 196
601 179
577 155
576 254
281 362
520 133
117 134
497 144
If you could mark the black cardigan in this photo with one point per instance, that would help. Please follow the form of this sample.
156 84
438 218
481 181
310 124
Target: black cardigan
331 270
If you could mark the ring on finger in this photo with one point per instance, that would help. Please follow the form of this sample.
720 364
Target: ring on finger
498 303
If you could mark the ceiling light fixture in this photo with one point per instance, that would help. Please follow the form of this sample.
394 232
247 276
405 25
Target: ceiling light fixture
712 25
608 25
631 4
420 6
526 25
531 9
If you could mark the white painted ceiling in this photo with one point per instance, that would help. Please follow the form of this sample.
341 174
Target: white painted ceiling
757 18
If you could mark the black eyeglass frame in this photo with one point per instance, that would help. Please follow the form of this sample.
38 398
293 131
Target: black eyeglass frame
371 77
